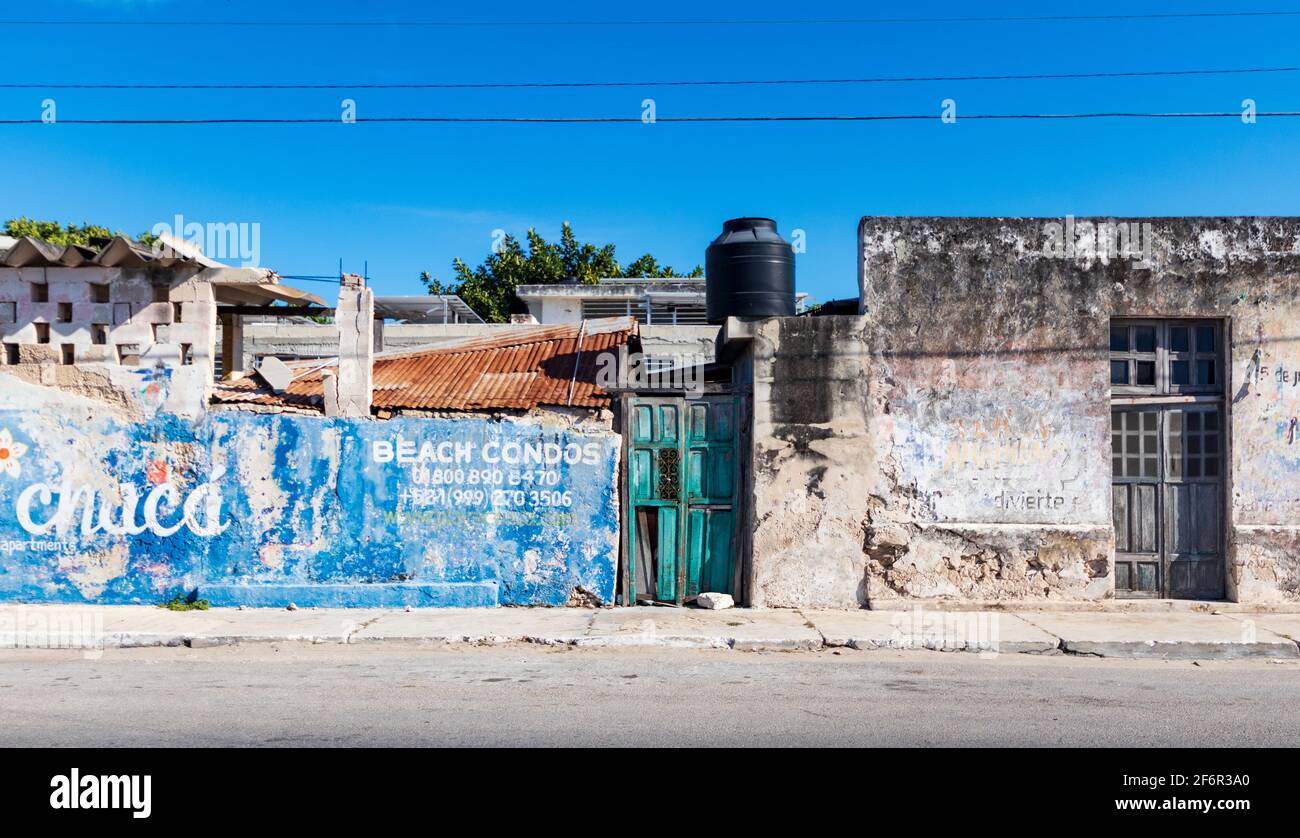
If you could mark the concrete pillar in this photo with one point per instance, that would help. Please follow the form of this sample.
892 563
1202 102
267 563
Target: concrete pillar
232 343
379 334
197 324
355 317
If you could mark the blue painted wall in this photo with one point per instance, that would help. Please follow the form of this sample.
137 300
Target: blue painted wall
270 509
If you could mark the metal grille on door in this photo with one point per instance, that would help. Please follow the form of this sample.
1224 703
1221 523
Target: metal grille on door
682 476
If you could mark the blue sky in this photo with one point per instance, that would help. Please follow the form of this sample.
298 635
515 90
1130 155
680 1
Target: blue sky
410 198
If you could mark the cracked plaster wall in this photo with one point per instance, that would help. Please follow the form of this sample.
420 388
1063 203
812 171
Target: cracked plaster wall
954 441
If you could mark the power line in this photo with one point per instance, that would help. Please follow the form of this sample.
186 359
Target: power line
863 21
714 83
573 120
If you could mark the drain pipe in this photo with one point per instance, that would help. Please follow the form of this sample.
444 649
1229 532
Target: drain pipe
582 331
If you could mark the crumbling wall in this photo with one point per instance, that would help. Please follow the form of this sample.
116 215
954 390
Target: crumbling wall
1265 404
101 502
812 458
992 401
95 330
954 441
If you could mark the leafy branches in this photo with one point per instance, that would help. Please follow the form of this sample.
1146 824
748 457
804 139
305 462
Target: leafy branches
65 234
489 287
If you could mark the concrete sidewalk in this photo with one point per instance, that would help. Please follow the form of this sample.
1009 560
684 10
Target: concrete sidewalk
1123 635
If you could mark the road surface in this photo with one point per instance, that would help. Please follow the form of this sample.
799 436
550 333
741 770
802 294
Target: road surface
535 695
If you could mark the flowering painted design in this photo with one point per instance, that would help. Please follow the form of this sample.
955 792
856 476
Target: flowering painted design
156 471
10 453
154 385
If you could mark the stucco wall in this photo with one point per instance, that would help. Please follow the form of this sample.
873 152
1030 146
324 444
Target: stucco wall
812 458
135 504
970 457
682 342
990 340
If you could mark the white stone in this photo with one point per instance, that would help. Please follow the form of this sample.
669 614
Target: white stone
275 373
714 600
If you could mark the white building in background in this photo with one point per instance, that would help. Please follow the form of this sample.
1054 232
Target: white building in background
654 302
674 331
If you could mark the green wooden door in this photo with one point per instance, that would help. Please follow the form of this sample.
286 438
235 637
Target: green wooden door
682 484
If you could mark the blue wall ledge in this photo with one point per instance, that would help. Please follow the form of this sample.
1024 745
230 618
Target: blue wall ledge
358 595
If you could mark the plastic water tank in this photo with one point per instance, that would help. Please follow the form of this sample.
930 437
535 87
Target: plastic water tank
749 272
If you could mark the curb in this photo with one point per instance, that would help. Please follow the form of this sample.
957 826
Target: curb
1116 649
1180 650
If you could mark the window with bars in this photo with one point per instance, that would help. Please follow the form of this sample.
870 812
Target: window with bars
1194 444
684 314
1165 358
593 309
659 314
1135 444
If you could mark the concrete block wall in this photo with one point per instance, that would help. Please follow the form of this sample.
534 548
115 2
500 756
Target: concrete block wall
135 309
111 329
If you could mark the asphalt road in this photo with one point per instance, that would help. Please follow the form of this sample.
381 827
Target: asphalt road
530 695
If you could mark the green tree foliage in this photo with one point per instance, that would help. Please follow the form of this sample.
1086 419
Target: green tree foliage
65 234
489 287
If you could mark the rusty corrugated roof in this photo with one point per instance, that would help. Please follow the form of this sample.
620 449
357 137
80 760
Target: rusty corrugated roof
520 368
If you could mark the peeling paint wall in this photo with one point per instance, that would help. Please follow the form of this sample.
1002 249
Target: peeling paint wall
1265 478
811 456
102 317
264 509
954 441
989 342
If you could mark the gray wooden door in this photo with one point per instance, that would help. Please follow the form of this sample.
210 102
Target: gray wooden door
1167 501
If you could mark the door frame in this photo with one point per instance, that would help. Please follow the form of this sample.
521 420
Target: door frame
1134 398
1162 481
626 589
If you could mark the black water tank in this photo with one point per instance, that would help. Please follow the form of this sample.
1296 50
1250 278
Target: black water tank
749 272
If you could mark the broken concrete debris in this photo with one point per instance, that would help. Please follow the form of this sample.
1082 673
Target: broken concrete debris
714 601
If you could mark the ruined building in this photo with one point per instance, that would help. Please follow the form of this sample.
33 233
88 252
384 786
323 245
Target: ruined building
1031 409
1085 410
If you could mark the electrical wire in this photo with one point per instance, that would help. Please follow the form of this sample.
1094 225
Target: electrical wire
686 83
637 119
846 21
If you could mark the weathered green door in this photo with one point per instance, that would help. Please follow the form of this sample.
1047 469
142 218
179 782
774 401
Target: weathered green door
682 484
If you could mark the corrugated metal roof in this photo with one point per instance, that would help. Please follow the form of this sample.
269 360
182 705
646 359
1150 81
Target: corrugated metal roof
520 368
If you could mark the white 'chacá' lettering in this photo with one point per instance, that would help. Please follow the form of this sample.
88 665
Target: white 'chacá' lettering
164 512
